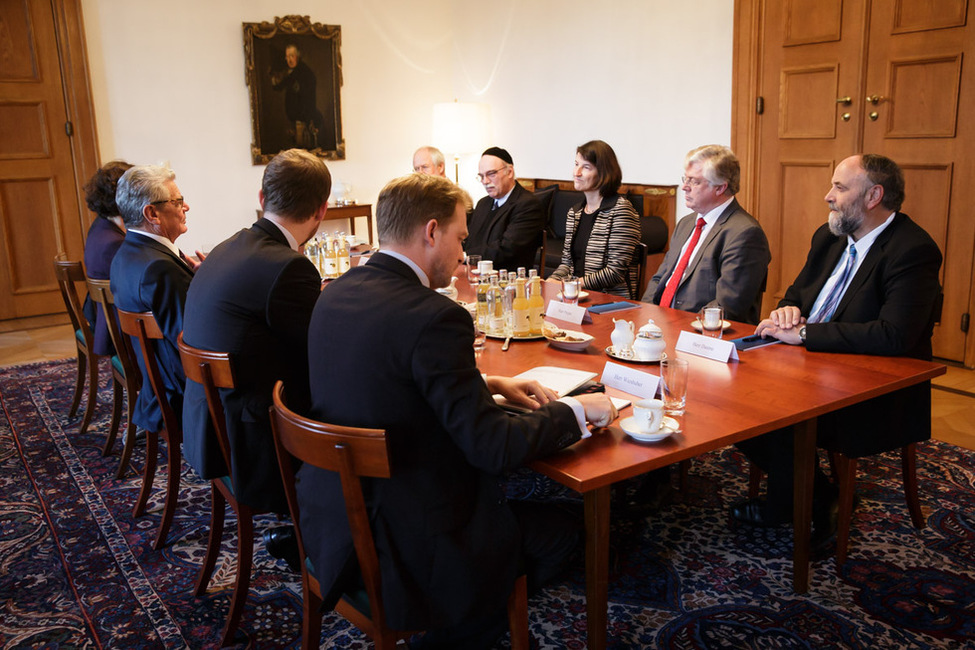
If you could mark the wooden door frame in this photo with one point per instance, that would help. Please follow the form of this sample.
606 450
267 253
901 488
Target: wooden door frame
746 75
76 83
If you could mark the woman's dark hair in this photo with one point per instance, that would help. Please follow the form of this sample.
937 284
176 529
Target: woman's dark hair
608 172
100 189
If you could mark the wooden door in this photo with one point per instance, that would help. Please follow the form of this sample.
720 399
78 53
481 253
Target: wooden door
39 212
811 65
918 107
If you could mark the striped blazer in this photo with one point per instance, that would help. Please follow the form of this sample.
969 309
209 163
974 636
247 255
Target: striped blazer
609 251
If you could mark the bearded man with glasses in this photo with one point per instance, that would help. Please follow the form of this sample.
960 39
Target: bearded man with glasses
506 225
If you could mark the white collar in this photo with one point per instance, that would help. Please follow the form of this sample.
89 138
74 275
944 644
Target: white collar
276 220
165 241
424 280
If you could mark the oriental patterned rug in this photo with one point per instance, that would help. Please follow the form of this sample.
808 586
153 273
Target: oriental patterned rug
78 571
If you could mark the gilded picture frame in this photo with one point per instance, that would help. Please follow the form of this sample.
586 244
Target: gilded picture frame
293 69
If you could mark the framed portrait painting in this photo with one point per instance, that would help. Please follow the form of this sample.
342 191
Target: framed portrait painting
294 75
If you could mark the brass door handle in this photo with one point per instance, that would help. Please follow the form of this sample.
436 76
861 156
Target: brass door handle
844 100
875 99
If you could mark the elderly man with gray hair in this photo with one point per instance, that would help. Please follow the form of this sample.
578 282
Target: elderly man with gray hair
719 256
149 273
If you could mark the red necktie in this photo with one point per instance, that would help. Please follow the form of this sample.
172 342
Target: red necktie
674 281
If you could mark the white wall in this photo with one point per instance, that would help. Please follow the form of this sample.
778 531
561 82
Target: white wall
651 78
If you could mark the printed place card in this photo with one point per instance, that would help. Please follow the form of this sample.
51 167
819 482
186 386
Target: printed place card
630 381
569 313
707 347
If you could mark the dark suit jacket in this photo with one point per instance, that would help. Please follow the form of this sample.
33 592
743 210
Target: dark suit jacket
509 236
728 271
887 309
448 543
252 298
103 241
146 276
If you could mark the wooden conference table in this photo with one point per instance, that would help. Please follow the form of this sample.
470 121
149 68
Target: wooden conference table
769 388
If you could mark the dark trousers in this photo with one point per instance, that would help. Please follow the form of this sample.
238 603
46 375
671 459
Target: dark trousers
773 453
549 535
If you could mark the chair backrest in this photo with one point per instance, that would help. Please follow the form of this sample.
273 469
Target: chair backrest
68 274
640 265
101 293
145 329
212 370
352 452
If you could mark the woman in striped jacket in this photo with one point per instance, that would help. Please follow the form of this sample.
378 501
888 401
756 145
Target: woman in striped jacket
602 232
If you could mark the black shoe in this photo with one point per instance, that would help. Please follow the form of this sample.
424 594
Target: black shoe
755 512
282 544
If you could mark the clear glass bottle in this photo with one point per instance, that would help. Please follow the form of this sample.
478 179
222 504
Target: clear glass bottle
330 257
495 307
510 290
344 258
536 306
482 308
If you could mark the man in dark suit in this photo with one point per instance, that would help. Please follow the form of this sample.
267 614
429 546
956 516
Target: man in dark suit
149 273
449 544
722 252
253 299
869 286
506 225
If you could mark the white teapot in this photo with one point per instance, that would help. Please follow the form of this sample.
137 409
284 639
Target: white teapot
649 344
622 338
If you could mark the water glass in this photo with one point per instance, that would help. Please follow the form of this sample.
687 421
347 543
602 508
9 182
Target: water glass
473 273
480 338
673 385
570 290
712 321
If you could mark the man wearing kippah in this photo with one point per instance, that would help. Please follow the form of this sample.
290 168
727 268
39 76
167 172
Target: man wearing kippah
506 225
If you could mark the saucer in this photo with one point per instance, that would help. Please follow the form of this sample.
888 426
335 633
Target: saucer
611 351
668 427
696 324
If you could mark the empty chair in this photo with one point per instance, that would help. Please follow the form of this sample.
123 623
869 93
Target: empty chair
145 329
125 374
213 371
354 453
68 273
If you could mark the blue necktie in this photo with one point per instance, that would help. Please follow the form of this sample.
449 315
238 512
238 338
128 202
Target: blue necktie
836 293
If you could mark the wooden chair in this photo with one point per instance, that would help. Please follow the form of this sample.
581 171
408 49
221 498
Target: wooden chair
144 328
354 453
125 374
640 263
213 370
69 273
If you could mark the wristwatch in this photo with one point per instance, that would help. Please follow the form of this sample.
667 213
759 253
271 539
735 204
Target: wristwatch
802 334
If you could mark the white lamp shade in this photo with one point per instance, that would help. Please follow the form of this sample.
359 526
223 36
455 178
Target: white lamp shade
461 128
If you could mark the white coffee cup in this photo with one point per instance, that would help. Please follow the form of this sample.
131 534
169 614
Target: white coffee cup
648 414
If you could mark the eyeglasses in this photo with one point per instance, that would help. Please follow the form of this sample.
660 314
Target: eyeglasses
178 202
693 182
490 175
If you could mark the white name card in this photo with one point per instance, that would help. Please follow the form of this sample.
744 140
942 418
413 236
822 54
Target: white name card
569 313
630 381
707 347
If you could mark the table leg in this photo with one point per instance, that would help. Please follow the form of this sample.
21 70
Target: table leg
597 566
804 459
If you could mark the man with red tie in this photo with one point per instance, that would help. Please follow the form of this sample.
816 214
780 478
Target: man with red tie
719 256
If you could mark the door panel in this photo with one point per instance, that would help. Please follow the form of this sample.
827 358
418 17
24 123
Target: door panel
920 63
38 209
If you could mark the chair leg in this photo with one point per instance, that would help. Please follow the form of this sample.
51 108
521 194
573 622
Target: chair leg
518 615
845 471
148 472
175 457
127 446
909 469
684 469
245 556
311 616
79 384
92 392
217 514
754 480
117 395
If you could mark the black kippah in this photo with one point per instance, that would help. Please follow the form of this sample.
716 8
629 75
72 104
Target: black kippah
498 152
